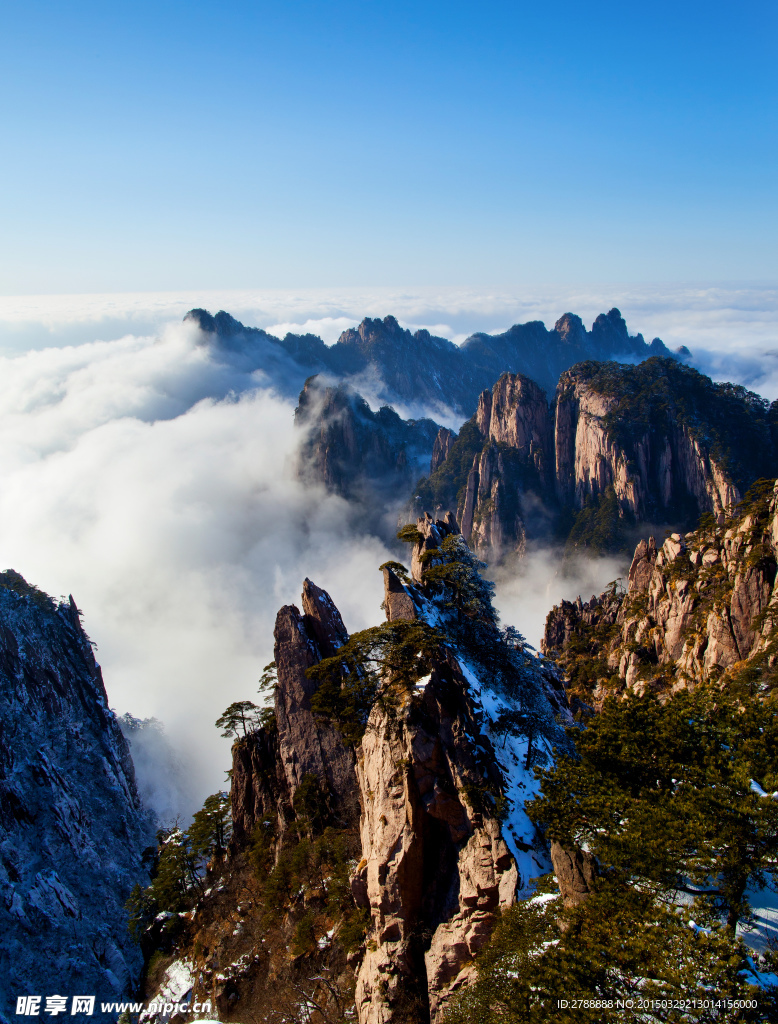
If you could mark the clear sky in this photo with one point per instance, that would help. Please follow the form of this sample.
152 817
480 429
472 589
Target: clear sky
239 144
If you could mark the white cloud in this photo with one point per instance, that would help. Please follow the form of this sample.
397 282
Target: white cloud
180 537
157 486
526 592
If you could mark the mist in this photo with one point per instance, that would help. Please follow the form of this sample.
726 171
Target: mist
156 483
175 521
526 590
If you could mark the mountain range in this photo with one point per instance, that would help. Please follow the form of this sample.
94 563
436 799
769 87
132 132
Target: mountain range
417 369
428 822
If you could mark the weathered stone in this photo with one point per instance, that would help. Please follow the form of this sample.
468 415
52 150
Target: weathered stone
696 608
576 873
398 603
441 448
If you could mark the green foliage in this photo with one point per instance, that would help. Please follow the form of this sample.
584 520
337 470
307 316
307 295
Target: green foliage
241 717
304 939
599 525
211 827
268 681
661 792
261 847
445 487
352 931
15 582
397 568
351 681
182 856
408 534
459 575
621 943
268 684
310 805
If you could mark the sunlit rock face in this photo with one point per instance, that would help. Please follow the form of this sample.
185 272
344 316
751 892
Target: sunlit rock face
696 608
656 443
72 828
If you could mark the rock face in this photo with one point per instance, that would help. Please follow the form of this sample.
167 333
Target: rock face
361 455
436 862
664 442
576 873
271 764
663 468
431 863
72 828
699 607
418 368
441 447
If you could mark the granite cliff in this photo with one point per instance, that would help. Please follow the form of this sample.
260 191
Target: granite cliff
697 607
364 456
379 823
72 829
619 445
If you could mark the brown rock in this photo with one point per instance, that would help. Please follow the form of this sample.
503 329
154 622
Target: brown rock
398 603
576 873
441 448
432 863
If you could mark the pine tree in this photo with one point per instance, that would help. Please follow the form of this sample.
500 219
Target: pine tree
241 716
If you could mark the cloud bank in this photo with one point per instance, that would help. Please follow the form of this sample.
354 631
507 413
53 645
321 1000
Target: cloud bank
175 521
158 486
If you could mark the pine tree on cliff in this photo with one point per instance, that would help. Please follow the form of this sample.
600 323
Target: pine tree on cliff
664 793
671 800
240 718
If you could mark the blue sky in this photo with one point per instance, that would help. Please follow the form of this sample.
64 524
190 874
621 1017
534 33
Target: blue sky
244 144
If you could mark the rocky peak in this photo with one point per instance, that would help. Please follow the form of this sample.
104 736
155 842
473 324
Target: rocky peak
610 331
272 763
362 455
432 533
437 864
571 331
696 609
419 367
323 619
441 447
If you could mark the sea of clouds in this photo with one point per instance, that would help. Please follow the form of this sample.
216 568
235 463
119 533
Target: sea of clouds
157 485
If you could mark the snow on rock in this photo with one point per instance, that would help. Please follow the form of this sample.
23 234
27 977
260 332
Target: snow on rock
72 828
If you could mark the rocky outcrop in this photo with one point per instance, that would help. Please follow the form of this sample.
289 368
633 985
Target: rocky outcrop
418 368
441 447
703 606
398 603
660 469
72 829
651 443
271 763
359 454
436 870
576 873
444 841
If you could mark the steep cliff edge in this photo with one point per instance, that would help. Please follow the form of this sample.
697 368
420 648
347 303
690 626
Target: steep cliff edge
701 606
72 828
364 456
620 445
379 822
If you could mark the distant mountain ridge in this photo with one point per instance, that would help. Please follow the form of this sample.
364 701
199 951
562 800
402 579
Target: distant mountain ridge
417 368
